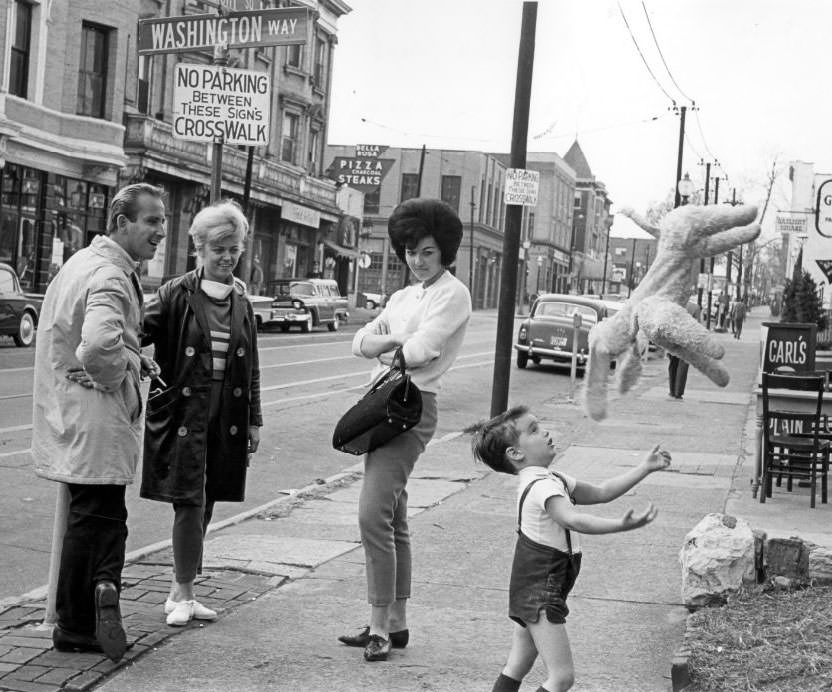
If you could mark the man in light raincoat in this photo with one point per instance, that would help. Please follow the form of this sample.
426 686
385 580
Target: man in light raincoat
88 418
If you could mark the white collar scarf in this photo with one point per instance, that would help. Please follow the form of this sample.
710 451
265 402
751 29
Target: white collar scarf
215 289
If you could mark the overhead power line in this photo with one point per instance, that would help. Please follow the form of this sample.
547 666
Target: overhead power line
661 55
658 83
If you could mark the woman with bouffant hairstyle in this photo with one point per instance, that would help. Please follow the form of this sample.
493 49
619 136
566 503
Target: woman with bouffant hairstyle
427 320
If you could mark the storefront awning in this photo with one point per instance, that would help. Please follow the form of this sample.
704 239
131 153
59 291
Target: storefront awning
340 250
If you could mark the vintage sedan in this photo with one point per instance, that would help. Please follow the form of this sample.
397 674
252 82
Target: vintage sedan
19 311
547 332
305 303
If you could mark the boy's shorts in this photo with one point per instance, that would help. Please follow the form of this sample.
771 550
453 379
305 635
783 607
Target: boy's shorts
541 578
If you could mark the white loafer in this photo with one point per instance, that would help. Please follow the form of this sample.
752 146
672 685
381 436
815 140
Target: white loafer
181 615
201 612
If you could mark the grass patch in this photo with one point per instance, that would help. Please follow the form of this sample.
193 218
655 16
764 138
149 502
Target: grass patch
764 639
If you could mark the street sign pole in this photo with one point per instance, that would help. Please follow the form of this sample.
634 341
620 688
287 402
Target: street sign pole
220 58
514 212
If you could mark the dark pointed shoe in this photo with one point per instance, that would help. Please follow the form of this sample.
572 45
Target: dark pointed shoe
361 638
378 649
64 640
108 628
398 640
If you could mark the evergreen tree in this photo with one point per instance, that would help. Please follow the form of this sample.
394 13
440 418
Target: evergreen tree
801 302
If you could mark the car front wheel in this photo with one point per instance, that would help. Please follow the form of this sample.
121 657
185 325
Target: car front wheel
335 325
305 326
522 359
25 334
371 305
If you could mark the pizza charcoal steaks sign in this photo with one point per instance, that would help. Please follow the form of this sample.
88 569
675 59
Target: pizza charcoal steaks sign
213 103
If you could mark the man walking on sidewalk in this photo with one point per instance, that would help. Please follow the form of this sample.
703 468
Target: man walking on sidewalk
677 369
87 434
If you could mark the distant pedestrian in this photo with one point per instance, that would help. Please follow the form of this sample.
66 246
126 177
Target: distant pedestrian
738 315
198 440
427 320
547 555
87 416
722 313
677 369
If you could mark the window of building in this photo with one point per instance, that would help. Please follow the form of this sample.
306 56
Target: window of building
482 200
320 62
288 149
92 71
410 186
314 150
577 202
449 193
372 201
531 224
19 66
294 56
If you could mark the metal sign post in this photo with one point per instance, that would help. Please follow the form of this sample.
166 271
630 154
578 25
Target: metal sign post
577 320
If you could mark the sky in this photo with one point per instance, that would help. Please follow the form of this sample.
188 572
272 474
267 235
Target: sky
442 73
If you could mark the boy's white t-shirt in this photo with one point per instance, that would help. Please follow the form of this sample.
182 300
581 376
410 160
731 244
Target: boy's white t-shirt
536 523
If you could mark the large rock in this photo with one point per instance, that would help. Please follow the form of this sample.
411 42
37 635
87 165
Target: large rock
718 556
820 565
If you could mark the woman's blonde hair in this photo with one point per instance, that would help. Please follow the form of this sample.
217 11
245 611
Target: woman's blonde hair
217 216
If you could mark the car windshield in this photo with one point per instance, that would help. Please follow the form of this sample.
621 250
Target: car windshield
301 288
565 310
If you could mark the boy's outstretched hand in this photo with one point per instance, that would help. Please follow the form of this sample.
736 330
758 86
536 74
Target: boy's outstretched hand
635 521
657 460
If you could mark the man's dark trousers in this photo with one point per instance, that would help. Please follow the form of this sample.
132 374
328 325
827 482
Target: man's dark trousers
677 376
93 551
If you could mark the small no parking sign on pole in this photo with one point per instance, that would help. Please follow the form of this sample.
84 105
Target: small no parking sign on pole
522 186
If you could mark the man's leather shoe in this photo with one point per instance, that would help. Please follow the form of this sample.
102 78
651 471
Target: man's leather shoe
108 628
64 640
398 640
377 649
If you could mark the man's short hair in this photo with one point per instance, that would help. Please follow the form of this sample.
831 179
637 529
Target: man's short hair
126 202
493 437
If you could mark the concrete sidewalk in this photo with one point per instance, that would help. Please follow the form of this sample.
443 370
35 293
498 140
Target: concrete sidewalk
291 579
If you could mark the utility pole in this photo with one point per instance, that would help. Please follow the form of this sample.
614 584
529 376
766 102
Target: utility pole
406 269
220 58
702 259
632 276
677 200
711 274
606 257
514 213
471 252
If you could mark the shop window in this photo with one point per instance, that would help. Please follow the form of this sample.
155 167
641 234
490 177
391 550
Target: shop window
289 144
410 186
451 185
19 64
372 201
92 72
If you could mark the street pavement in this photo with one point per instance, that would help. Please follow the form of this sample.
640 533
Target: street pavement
289 578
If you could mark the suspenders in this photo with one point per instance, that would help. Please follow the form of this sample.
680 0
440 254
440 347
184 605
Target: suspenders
523 499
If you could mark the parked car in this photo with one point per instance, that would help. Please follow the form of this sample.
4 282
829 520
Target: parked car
547 332
19 311
305 303
374 300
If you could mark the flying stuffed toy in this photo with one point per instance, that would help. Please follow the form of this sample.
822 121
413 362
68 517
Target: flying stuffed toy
657 307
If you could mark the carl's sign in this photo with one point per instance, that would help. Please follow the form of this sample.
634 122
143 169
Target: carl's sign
789 347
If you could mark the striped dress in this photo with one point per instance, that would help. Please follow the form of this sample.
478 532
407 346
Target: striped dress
218 312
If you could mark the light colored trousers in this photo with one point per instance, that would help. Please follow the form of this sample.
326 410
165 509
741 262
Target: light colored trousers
382 509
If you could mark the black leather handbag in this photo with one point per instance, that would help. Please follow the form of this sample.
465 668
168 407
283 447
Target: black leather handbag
393 405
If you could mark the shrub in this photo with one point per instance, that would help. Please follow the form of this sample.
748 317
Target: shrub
801 302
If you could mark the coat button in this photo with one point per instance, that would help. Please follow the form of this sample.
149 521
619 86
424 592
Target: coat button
241 352
186 391
233 430
238 391
189 351
182 431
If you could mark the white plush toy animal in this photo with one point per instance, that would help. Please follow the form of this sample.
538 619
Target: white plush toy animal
657 307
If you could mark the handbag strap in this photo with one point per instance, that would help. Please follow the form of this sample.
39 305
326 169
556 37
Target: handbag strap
523 499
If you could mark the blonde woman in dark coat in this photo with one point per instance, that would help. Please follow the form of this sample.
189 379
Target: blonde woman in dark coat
200 431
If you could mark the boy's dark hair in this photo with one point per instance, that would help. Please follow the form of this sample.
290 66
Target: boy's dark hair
493 437
420 217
